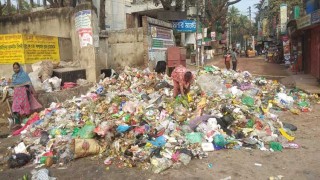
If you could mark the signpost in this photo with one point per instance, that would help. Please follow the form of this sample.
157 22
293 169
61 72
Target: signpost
185 26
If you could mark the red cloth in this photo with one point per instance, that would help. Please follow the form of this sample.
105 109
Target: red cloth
35 117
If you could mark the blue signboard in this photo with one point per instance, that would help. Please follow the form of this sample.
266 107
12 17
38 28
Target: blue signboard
185 26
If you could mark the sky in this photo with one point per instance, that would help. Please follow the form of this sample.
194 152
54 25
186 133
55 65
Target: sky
243 7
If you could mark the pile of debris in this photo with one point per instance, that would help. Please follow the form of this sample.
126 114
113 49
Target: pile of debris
132 120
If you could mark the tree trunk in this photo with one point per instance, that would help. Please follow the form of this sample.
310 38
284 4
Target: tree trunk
31 3
19 6
102 14
44 3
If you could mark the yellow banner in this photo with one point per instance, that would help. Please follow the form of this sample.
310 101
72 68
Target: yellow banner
11 49
28 49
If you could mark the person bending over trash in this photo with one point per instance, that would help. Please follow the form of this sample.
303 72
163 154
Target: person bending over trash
182 79
24 101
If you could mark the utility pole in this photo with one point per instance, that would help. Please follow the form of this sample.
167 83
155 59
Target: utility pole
249 14
196 35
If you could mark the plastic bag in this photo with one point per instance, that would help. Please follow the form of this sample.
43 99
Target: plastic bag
194 137
219 140
275 146
46 86
56 83
35 80
41 174
86 132
284 100
211 84
248 101
160 164
18 160
159 141
122 128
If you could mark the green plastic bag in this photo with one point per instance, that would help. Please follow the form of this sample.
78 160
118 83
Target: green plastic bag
250 123
86 132
209 69
303 104
248 101
75 132
219 140
194 137
275 146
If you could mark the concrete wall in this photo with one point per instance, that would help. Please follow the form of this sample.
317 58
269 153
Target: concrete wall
65 45
125 48
52 22
115 14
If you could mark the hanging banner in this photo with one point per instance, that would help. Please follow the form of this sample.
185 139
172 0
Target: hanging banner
286 49
83 27
283 18
11 49
38 48
28 49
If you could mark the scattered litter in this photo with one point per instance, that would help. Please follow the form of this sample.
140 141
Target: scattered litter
132 120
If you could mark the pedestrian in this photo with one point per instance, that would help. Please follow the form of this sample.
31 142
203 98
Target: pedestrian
24 101
234 59
182 80
227 59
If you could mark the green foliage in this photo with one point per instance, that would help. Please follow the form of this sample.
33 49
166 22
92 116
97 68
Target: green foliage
241 25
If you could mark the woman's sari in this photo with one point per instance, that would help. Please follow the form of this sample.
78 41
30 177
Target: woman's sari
23 100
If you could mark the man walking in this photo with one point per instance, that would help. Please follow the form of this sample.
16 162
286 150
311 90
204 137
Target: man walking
234 59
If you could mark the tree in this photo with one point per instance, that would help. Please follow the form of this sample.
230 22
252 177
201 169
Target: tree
2 8
241 25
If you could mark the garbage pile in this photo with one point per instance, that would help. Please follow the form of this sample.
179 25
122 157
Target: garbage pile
132 120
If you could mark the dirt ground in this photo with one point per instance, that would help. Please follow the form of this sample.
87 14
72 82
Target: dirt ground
300 164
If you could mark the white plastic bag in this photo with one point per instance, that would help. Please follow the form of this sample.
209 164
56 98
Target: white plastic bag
46 86
211 84
35 80
56 83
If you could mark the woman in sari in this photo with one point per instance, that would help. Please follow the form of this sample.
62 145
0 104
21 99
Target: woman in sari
24 101
182 80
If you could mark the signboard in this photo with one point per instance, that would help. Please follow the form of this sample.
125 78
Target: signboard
315 17
283 18
83 19
28 49
11 49
184 26
304 21
38 48
83 27
161 38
